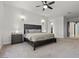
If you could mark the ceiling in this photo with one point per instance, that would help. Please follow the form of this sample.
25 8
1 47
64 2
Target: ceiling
61 8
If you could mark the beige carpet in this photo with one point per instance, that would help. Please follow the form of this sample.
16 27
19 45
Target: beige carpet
64 48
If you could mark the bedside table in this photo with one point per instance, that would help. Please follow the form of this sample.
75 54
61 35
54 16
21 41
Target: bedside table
16 38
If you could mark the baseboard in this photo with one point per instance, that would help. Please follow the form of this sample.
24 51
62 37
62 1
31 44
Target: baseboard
60 38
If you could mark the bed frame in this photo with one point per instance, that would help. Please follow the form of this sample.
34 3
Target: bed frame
36 43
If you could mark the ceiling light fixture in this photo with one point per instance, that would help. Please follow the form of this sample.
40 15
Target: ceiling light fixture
45 6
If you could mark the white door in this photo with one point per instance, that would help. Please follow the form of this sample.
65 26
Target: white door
71 29
77 30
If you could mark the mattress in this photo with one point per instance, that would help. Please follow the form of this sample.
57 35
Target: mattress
39 36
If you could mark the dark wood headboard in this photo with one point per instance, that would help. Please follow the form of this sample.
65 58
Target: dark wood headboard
31 26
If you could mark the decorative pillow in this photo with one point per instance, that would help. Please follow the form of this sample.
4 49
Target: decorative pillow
34 31
26 31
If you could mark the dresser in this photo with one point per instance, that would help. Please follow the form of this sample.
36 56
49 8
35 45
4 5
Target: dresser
16 38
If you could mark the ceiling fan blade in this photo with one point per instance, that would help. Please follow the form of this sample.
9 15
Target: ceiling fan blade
51 2
49 7
43 2
37 6
43 9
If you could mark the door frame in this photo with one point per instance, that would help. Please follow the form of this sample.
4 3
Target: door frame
68 26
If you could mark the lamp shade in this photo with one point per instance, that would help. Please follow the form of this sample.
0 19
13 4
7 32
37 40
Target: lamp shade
42 21
51 23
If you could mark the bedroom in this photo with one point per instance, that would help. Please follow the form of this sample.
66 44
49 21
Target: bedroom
13 16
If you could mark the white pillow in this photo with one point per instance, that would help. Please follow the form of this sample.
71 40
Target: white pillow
34 31
26 31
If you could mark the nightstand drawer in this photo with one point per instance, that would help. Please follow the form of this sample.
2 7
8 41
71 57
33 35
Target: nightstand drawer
16 38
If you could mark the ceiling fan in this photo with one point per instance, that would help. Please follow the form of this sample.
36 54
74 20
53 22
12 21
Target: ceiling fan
46 5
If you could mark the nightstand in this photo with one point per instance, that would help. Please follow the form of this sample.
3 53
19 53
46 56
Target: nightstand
16 38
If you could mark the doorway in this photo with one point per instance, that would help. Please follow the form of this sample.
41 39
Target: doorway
72 29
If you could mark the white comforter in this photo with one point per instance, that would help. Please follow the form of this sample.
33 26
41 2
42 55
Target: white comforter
39 36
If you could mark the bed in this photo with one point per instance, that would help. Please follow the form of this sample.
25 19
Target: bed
35 37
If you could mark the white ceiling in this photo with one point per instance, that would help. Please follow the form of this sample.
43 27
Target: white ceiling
61 8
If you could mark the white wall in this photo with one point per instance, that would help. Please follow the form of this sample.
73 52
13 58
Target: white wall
1 20
58 25
11 19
